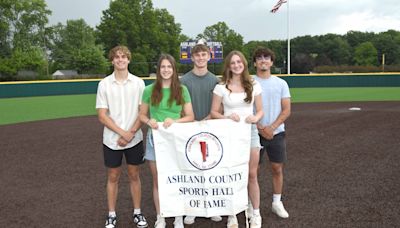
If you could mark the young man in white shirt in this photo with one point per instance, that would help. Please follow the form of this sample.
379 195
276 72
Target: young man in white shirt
118 98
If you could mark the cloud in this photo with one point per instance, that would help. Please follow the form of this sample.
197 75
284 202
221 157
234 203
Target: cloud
252 19
365 21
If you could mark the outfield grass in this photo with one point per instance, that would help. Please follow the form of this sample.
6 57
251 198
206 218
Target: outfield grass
16 110
345 94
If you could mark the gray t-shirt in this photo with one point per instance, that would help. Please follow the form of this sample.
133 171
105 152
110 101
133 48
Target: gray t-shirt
201 91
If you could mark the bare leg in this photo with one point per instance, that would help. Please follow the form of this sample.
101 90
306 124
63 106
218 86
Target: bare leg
113 175
135 185
254 189
277 177
153 169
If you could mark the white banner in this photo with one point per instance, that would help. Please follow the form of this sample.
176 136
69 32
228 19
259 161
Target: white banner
203 167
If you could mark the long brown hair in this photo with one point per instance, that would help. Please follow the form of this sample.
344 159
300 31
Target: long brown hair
176 88
245 78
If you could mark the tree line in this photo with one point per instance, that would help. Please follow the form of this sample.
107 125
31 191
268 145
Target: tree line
28 43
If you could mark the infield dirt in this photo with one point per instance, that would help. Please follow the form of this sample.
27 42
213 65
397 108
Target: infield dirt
342 171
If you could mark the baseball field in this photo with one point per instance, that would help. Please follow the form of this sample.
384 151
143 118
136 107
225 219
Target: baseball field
342 170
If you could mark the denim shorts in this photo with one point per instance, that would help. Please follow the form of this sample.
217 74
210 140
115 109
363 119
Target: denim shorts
150 152
255 139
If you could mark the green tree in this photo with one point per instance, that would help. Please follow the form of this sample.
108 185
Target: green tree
221 32
146 31
73 47
322 60
302 63
22 35
335 48
355 38
305 45
388 43
365 54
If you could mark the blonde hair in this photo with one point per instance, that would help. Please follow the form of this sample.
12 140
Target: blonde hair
121 48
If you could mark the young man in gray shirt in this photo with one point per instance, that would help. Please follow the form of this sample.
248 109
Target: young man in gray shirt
200 83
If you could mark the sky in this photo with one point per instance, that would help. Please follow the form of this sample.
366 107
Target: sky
252 19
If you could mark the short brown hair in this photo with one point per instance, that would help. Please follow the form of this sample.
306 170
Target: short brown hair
121 48
262 51
199 48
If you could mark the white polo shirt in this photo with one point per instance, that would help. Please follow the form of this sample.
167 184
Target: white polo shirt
122 99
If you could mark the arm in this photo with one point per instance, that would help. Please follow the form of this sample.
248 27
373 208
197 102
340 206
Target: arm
259 112
208 117
144 116
216 107
135 127
110 124
268 131
285 113
188 116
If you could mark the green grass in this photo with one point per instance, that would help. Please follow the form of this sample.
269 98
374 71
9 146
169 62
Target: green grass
16 110
345 94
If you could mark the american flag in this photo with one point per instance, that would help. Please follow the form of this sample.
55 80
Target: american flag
278 4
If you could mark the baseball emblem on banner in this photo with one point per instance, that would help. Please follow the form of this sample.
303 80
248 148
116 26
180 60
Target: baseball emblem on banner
204 151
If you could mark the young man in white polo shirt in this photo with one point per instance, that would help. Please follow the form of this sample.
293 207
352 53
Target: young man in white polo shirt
118 98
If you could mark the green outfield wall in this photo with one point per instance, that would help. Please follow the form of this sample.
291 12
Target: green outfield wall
89 86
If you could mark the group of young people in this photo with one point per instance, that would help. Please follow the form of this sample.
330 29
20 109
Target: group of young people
124 104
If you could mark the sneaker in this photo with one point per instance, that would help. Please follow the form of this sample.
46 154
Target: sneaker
232 222
279 209
111 222
160 223
178 223
249 211
189 220
216 218
255 221
140 220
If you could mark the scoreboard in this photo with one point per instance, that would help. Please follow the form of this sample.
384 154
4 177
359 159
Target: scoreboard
216 51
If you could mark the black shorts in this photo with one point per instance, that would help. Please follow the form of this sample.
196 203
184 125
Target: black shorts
275 148
133 156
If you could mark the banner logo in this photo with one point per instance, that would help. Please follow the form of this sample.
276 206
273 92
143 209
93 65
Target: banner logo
204 151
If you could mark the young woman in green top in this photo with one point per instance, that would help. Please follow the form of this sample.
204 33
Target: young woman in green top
166 101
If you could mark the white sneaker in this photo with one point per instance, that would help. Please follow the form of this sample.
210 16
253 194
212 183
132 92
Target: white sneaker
249 211
255 221
216 218
178 223
160 223
279 209
232 222
189 220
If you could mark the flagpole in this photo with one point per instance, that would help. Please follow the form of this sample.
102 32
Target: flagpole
288 38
